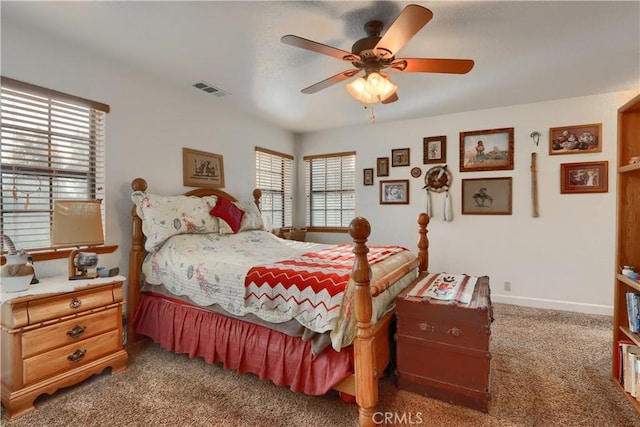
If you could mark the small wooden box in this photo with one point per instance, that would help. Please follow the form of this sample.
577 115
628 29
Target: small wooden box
443 347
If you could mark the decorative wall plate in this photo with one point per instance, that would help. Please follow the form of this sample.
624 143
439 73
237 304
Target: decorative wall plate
416 172
438 179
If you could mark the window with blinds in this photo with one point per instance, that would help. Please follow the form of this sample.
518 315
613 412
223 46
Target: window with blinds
52 147
330 187
274 176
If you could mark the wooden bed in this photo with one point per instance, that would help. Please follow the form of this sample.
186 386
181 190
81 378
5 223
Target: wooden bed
371 347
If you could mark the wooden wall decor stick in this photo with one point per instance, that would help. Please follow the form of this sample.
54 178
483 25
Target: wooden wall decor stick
534 184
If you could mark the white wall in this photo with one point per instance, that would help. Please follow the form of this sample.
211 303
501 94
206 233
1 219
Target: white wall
563 259
147 127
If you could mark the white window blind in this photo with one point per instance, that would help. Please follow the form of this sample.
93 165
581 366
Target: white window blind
274 176
330 187
52 147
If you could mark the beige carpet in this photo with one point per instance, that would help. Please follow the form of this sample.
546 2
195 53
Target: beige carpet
549 368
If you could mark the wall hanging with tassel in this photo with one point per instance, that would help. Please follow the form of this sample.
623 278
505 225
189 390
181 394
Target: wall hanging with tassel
438 180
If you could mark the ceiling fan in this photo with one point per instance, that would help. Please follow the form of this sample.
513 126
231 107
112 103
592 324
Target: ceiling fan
374 54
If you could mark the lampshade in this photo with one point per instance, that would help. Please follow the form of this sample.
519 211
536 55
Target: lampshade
77 223
374 89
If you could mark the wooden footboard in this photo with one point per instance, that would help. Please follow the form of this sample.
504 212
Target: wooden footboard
372 343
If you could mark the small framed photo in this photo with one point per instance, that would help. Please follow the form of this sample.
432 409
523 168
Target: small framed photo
585 177
486 150
394 192
416 172
579 139
400 157
202 169
486 196
367 178
382 166
434 149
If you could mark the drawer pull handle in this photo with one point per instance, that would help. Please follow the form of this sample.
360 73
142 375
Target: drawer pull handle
424 327
75 302
76 331
454 331
77 355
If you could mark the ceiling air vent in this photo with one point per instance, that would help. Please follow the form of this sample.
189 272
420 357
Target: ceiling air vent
210 89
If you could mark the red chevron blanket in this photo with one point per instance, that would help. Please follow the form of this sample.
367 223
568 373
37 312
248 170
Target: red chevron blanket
310 287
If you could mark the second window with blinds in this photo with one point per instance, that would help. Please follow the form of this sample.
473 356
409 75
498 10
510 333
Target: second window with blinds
274 176
330 190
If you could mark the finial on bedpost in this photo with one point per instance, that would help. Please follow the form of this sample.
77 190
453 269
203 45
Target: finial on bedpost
139 184
423 242
365 366
257 194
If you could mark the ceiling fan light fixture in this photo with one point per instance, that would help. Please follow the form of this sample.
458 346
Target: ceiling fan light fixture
374 89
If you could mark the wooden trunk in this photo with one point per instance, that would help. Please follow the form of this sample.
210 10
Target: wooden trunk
443 348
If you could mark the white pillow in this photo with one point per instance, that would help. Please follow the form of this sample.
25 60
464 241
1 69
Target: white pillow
251 220
166 216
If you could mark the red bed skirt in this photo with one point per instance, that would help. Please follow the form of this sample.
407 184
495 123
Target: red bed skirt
245 347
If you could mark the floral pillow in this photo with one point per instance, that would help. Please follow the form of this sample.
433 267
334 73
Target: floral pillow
251 220
166 216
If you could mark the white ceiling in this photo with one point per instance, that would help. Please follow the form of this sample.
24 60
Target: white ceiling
523 51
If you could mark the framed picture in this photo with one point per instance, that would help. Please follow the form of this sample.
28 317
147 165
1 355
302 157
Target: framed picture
382 166
434 149
367 178
486 150
486 196
394 192
202 169
579 139
400 157
585 177
416 172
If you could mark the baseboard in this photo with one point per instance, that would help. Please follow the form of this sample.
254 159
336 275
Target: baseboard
553 304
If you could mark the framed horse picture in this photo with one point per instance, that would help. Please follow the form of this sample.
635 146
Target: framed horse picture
202 169
486 196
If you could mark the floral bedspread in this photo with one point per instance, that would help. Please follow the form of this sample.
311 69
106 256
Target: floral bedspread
212 268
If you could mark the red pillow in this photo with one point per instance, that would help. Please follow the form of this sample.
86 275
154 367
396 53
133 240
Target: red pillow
228 212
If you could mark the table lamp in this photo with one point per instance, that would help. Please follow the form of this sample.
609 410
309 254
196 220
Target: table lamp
78 223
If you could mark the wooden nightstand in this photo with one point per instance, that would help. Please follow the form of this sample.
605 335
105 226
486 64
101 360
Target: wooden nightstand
443 347
59 338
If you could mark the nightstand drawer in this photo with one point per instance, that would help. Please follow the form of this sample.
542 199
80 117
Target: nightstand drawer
70 303
69 332
70 357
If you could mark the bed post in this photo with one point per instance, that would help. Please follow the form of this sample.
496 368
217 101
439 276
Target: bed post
364 352
423 243
135 264
257 194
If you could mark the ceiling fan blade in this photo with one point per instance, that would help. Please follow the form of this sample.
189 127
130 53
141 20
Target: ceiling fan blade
330 81
432 65
319 47
407 24
391 98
